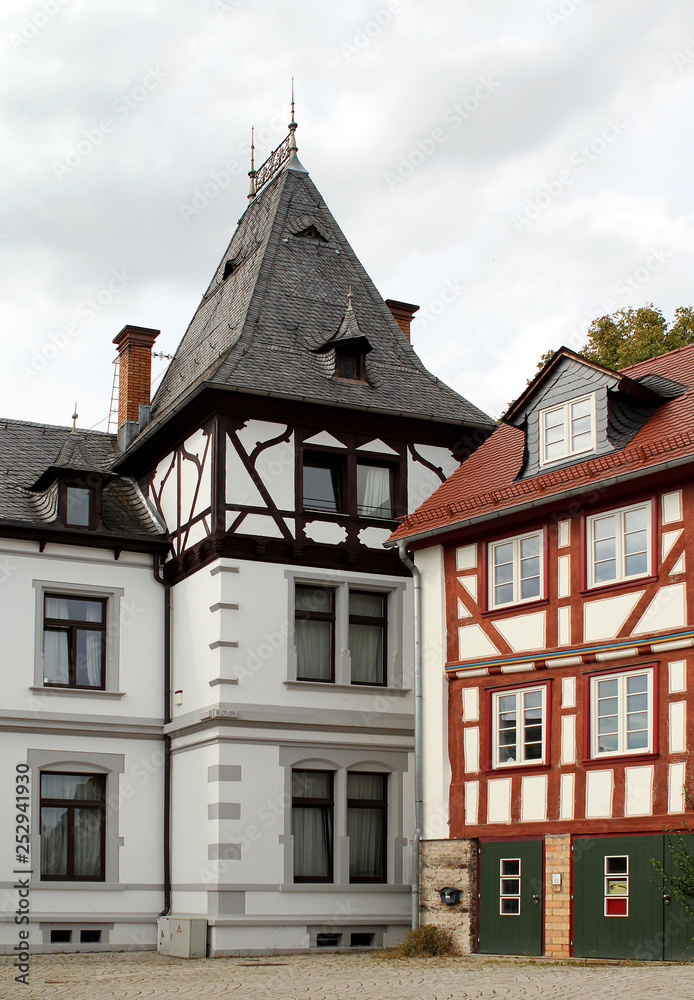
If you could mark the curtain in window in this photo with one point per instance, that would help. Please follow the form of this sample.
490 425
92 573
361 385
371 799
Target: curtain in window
56 658
54 822
311 827
88 841
89 658
313 640
373 491
365 826
366 652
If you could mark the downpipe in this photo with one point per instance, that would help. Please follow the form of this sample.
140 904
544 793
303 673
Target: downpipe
402 552
159 577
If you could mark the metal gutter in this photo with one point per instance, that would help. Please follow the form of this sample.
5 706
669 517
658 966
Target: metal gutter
544 501
402 552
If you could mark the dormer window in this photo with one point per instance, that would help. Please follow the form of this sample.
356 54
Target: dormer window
567 430
77 506
349 364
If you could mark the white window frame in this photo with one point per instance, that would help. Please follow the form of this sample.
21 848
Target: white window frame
568 451
516 542
620 560
518 693
622 750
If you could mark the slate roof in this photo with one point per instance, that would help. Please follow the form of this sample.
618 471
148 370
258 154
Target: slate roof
257 330
32 452
487 481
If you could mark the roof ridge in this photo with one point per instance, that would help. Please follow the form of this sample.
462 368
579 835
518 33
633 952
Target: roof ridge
657 357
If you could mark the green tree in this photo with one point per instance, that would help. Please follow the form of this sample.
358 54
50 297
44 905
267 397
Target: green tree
631 335
679 883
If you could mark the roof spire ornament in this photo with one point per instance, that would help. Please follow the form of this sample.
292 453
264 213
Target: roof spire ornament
252 171
75 415
293 148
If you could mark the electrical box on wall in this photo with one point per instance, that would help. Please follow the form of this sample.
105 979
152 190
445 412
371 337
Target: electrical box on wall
182 937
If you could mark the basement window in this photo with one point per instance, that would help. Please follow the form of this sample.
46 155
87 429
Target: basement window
90 936
61 937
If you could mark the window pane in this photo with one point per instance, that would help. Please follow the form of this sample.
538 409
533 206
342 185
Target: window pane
510 866
314 599
604 527
617 865
366 653
374 491
510 907
322 486
347 366
554 418
504 573
503 595
503 553
53 840
370 605
88 841
530 546
78 506
582 408
88 658
635 520
615 887
56 657
637 683
311 784
366 786
607 744
608 689
365 829
510 886
530 587
313 649
636 565
312 832
75 609
72 786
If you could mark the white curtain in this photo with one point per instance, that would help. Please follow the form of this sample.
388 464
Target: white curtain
365 827
373 487
53 840
312 650
56 663
93 656
312 838
366 652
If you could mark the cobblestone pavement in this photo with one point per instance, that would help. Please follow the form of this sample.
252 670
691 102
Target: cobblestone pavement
123 976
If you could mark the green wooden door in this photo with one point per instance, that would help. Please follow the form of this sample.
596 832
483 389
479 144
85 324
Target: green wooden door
511 897
677 924
619 909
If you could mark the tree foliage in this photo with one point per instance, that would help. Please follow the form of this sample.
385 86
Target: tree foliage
680 882
631 335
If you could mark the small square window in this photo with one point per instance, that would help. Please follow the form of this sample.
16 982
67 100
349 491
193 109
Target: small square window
616 889
518 727
516 570
622 714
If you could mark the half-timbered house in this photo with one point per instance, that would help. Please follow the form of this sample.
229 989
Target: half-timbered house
293 426
557 708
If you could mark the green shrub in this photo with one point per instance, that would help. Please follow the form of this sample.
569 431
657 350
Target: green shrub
427 941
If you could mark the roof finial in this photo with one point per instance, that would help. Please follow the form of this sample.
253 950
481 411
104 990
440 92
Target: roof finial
350 296
293 148
75 415
251 172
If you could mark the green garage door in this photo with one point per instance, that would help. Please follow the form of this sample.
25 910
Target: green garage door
510 897
619 909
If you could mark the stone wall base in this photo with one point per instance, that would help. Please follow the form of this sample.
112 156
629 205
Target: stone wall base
450 864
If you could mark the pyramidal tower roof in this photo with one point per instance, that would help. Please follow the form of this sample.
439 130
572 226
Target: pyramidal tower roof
278 296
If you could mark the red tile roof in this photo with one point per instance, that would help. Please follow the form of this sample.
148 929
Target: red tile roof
486 481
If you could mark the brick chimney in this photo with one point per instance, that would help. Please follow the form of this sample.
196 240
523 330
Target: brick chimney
403 313
134 345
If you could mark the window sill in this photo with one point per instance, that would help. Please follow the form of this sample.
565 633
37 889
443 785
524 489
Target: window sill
619 758
527 768
361 688
76 886
517 608
600 589
77 692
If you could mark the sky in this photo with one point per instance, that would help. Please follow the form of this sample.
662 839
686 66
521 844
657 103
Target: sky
515 167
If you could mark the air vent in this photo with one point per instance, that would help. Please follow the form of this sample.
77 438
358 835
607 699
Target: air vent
231 265
312 233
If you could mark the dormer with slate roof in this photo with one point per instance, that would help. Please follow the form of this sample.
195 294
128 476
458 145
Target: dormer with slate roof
576 409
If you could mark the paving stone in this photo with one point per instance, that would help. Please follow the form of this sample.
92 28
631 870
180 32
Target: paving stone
364 976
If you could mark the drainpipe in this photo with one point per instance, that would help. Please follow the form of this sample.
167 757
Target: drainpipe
159 577
402 552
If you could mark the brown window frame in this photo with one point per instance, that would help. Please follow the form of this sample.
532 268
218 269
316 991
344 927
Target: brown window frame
381 623
71 805
382 805
318 616
72 626
327 807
